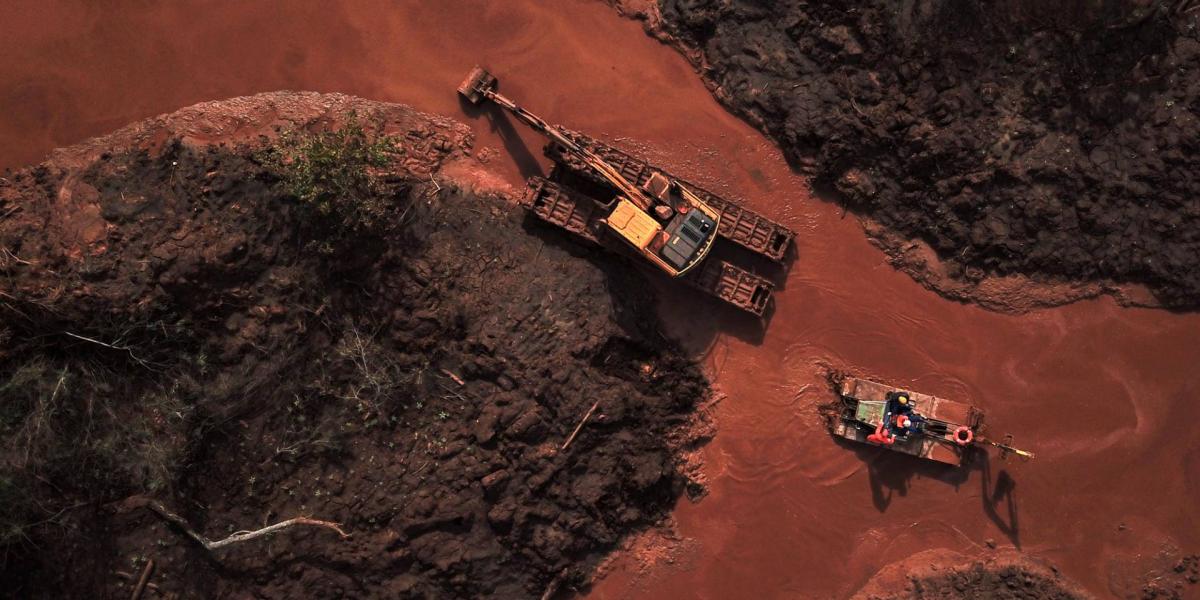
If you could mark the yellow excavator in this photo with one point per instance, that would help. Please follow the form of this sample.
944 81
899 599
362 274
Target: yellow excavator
662 220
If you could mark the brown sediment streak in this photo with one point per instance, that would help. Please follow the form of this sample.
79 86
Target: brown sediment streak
1104 395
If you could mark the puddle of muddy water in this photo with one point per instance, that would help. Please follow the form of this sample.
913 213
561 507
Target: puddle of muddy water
1104 395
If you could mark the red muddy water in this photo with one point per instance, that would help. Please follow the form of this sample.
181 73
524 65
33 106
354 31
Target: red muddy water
1105 396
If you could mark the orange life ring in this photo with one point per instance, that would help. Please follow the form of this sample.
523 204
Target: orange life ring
963 435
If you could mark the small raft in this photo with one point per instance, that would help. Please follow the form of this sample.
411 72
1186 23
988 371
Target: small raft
933 428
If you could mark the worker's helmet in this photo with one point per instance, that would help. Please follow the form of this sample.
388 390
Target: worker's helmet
903 399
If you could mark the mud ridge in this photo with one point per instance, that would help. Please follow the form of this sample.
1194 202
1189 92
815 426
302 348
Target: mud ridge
169 332
1048 145
947 574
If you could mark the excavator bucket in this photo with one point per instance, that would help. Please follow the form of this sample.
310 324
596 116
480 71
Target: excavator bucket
473 86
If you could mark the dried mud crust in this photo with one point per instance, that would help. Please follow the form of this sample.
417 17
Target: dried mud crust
948 574
1051 141
416 388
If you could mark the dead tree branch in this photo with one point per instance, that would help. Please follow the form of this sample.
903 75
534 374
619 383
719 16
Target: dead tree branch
580 425
135 357
142 581
456 378
14 257
237 537
41 418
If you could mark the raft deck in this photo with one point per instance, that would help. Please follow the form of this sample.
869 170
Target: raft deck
865 401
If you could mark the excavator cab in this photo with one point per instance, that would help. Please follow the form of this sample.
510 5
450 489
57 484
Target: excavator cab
634 225
685 231
687 235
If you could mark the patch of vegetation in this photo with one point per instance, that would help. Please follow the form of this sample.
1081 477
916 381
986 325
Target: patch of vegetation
335 177
376 385
77 433
34 396
356 387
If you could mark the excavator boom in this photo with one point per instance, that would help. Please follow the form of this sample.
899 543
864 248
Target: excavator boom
481 85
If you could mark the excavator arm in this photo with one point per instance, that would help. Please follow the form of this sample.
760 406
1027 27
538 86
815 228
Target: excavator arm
675 232
481 85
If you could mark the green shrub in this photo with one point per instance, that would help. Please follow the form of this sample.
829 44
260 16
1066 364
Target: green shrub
333 175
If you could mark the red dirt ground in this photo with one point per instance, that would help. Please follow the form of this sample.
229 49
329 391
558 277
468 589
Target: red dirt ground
1105 395
414 382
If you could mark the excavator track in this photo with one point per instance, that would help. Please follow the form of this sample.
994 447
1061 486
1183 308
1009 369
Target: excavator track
562 207
739 224
568 209
732 284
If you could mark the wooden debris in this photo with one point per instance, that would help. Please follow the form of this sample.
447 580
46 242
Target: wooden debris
143 580
554 585
456 378
239 536
580 425
127 576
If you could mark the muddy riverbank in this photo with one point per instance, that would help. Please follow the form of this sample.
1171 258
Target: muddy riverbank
178 326
1052 144
1103 394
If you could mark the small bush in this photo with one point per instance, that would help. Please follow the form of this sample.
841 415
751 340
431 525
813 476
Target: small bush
377 383
333 174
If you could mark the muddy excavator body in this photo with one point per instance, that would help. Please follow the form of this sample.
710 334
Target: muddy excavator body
616 200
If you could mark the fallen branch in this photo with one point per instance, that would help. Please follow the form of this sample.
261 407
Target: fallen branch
112 346
127 576
88 339
15 257
555 583
580 425
143 580
456 378
237 537
41 417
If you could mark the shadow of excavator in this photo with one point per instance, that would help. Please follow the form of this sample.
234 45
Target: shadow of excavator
527 163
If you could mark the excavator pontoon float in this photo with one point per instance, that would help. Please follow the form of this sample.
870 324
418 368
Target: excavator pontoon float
913 423
608 197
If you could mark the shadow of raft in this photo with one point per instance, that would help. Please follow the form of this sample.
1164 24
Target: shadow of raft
890 474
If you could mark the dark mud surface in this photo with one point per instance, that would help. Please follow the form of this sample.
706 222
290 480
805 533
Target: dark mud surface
1057 141
1007 574
415 387
947 574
